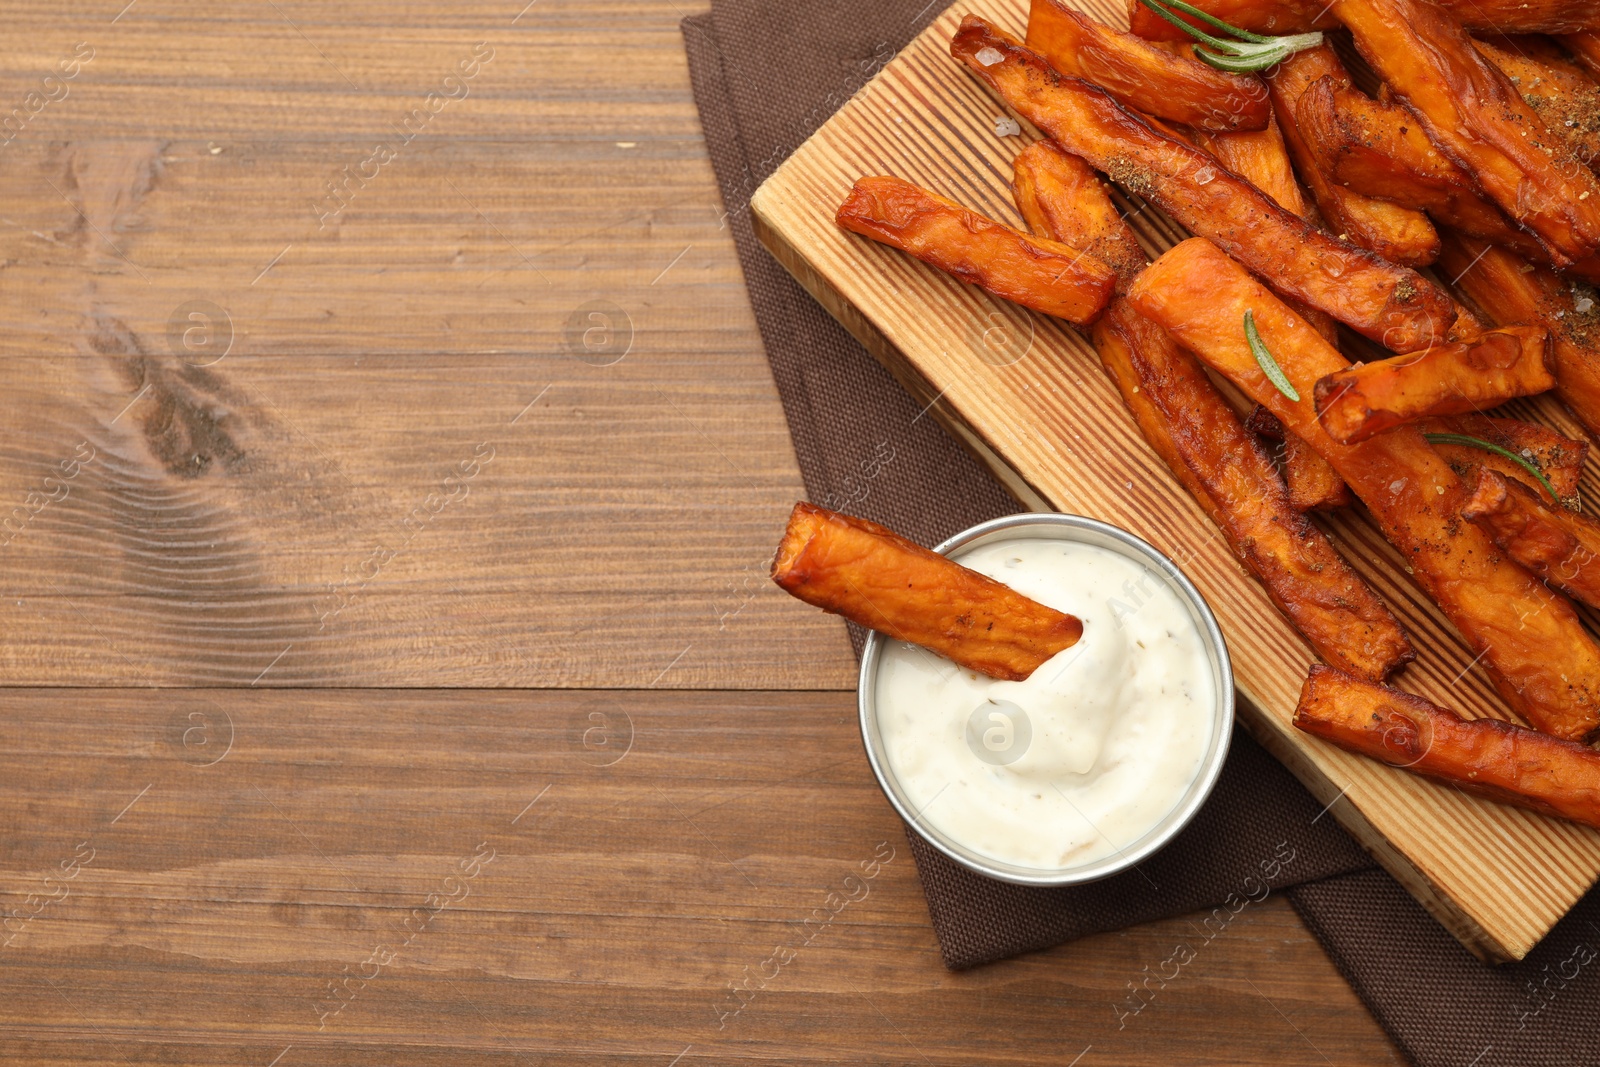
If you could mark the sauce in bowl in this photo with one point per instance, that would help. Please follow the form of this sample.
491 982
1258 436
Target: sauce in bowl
1082 761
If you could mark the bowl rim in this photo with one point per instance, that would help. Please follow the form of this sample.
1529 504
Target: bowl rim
1084 530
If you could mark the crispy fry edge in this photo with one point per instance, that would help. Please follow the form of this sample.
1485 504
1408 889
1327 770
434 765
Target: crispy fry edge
966 616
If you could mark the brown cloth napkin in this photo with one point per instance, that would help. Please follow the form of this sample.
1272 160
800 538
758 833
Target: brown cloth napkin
765 76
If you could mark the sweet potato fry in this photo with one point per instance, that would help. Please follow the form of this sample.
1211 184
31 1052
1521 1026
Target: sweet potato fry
1300 16
1261 158
1064 199
1476 117
1046 276
874 577
1510 290
1568 101
1376 298
1194 430
1379 150
1560 546
1538 654
1149 79
1052 189
1398 234
1200 437
1585 45
1448 379
1498 760
1274 17
1264 423
1313 484
1535 46
1560 459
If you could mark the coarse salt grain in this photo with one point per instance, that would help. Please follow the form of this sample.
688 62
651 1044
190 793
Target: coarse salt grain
989 56
1006 127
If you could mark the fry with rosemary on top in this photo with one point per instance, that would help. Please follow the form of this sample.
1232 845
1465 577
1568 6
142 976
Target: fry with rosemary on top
1044 275
1261 157
1143 76
1200 438
1560 546
1471 442
1447 379
1303 16
1498 760
1536 650
885 582
1393 305
1225 469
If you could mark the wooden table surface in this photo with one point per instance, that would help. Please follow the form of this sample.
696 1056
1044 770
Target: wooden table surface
390 670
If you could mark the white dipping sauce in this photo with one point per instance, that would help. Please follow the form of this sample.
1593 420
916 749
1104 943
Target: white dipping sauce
1110 735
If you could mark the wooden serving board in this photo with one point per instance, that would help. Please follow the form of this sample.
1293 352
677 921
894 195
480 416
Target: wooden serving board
1027 393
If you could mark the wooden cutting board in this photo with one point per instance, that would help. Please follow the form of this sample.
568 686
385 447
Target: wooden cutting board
1028 395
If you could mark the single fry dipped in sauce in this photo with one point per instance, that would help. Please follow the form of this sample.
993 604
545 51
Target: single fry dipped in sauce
885 582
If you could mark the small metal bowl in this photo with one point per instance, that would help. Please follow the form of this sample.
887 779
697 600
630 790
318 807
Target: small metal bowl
1055 527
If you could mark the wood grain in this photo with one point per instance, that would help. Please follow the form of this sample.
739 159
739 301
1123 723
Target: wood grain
1496 877
618 539
621 523
655 870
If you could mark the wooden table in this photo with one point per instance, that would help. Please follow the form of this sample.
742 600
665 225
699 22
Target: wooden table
391 675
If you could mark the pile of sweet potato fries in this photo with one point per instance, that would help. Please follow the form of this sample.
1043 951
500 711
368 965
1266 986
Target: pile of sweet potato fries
1320 216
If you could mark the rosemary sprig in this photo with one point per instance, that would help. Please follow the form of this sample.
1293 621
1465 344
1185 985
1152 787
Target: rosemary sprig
1247 53
1476 442
1264 360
